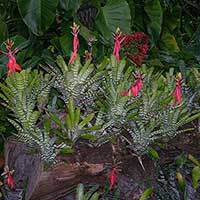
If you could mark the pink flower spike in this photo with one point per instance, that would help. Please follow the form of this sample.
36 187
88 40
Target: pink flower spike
112 177
139 84
10 181
135 87
124 93
118 39
134 90
12 64
9 178
75 30
177 92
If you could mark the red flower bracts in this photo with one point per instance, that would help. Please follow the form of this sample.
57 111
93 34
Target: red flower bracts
8 175
10 181
12 63
112 176
88 56
139 42
136 87
75 32
118 39
177 92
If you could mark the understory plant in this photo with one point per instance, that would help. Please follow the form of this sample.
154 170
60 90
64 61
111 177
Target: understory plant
73 126
136 105
77 81
103 102
25 94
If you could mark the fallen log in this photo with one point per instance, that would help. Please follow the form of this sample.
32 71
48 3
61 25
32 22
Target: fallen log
38 183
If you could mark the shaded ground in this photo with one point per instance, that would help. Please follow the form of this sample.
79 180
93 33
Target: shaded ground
132 180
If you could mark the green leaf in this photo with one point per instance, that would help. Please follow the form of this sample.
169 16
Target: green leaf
68 122
77 116
169 43
112 15
173 18
57 120
88 136
86 120
195 176
190 119
71 110
181 181
92 128
80 192
146 194
155 14
95 196
38 15
3 30
67 150
70 5
60 134
47 125
63 43
194 160
91 194
153 153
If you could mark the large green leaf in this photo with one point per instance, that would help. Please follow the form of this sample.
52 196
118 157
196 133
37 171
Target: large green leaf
115 13
68 5
172 18
155 14
3 30
169 43
38 15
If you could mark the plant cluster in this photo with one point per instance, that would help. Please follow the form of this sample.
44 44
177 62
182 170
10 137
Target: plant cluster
101 103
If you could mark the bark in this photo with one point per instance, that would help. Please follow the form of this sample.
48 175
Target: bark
41 184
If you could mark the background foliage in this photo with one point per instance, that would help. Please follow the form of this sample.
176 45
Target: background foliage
44 26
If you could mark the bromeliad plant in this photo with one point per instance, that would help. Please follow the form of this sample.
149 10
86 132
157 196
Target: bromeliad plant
25 94
80 82
74 126
159 113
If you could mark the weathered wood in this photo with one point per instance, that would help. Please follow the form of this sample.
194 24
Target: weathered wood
40 184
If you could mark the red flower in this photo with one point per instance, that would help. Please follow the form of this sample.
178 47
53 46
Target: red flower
118 39
143 48
10 181
8 175
137 59
75 29
137 41
112 176
12 63
126 92
135 88
177 92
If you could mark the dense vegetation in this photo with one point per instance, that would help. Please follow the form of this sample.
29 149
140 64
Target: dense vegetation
71 91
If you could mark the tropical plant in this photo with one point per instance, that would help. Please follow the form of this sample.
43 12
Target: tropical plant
74 126
25 94
76 81
112 108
